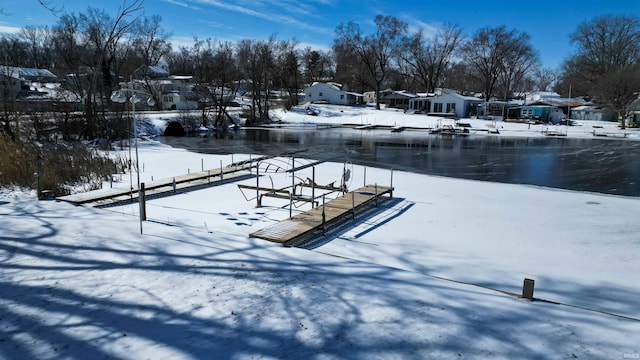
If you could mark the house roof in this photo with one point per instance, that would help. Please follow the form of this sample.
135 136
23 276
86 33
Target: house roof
462 97
400 94
30 74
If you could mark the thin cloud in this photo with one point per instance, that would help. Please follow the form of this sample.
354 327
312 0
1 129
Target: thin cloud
182 4
9 29
276 17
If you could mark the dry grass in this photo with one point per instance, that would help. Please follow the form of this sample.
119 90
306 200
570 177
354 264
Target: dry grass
61 168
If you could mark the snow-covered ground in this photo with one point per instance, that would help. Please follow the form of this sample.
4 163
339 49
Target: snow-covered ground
367 115
421 277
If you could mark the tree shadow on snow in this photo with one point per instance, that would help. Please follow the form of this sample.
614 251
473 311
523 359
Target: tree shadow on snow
83 295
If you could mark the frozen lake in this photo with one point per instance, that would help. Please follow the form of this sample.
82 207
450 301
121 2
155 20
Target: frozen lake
603 166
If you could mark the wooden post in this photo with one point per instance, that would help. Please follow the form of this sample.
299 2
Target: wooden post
376 192
143 202
353 205
323 215
527 289
174 184
391 193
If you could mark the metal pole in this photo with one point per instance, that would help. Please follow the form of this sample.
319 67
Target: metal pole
365 176
313 185
135 130
202 164
290 204
376 192
221 172
258 184
323 215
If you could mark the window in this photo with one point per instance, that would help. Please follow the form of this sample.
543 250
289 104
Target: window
437 107
451 107
342 97
320 93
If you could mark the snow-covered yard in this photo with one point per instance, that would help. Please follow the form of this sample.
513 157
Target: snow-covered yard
414 280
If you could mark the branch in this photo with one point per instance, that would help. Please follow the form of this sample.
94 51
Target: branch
47 4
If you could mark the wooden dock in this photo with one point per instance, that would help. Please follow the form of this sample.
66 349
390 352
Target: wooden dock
181 183
310 223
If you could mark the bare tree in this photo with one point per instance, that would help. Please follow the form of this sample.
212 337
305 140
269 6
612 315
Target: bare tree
350 70
255 59
88 47
605 63
618 90
427 59
38 40
493 52
316 64
376 51
518 67
544 78
286 70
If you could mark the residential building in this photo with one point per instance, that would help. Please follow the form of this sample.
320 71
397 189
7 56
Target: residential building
451 104
398 99
332 93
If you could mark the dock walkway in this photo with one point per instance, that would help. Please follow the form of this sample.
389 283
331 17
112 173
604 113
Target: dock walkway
309 223
191 181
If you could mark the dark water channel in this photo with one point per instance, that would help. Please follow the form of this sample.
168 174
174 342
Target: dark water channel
603 166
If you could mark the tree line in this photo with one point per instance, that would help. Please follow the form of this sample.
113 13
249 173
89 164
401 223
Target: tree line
94 51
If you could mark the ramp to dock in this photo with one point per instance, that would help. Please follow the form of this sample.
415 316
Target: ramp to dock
181 183
320 219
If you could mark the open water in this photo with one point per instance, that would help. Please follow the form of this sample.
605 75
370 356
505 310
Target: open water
595 165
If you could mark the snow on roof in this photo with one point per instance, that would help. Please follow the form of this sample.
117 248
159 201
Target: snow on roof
31 74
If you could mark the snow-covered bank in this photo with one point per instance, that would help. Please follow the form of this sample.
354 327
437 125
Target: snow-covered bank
83 283
367 115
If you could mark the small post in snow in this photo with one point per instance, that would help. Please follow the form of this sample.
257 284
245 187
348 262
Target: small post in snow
365 176
174 184
527 289
221 172
391 182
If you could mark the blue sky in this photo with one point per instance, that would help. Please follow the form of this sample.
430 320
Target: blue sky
313 22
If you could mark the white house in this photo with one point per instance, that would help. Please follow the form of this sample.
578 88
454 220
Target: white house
454 104
399 99
332 93
592 112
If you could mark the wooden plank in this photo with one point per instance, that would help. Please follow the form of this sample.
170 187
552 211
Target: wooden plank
112 196
334 210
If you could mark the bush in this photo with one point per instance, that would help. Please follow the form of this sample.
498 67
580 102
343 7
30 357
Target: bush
61 168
